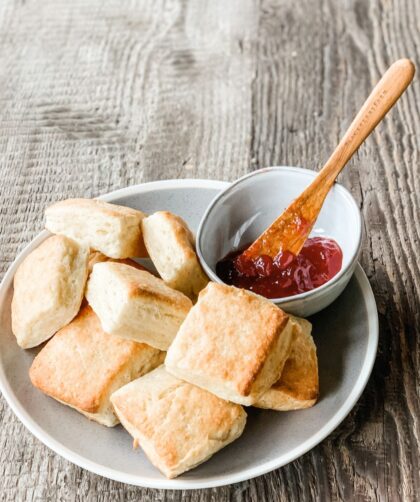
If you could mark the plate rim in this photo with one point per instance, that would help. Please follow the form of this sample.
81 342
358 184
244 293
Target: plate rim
180 484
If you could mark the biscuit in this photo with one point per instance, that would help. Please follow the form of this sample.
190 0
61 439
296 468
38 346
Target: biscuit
178 425
113 230
170 245
232 343
135 304
48 289
81 366
298 386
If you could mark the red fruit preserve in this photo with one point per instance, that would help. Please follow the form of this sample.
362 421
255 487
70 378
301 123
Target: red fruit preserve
286 275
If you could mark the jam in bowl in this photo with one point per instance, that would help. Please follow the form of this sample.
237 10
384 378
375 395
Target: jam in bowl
286 275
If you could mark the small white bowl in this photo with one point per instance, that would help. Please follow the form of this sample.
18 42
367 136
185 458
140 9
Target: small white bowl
248 206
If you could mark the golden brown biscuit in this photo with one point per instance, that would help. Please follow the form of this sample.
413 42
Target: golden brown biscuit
81 366
135 304
113 230
170 245
48 289
233 343
178 425
298 386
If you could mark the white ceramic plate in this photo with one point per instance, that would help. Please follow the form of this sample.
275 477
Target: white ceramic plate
346 335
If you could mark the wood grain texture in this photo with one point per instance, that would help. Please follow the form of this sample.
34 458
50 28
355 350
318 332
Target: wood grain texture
100 95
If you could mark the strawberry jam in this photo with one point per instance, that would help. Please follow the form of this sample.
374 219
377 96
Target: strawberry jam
286 275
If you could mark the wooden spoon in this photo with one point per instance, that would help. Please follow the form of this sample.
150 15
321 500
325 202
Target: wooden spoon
291 229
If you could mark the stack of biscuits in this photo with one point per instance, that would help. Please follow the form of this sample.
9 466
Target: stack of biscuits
171 356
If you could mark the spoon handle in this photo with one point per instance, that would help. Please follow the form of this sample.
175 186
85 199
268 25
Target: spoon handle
384 95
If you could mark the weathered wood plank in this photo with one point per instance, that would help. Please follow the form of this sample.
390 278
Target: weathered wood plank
96 96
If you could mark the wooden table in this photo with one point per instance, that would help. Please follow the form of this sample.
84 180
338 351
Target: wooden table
99 95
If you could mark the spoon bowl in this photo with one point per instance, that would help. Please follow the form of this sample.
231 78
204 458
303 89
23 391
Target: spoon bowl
239 214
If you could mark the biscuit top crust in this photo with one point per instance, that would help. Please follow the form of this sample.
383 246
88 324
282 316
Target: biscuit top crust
106 208
42 278
182 234
144 285
174 416
299 378
79 363
229 333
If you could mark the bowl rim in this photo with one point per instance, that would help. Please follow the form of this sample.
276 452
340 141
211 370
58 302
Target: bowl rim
296 170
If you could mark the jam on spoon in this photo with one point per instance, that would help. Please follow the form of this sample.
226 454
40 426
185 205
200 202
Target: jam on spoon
286 275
